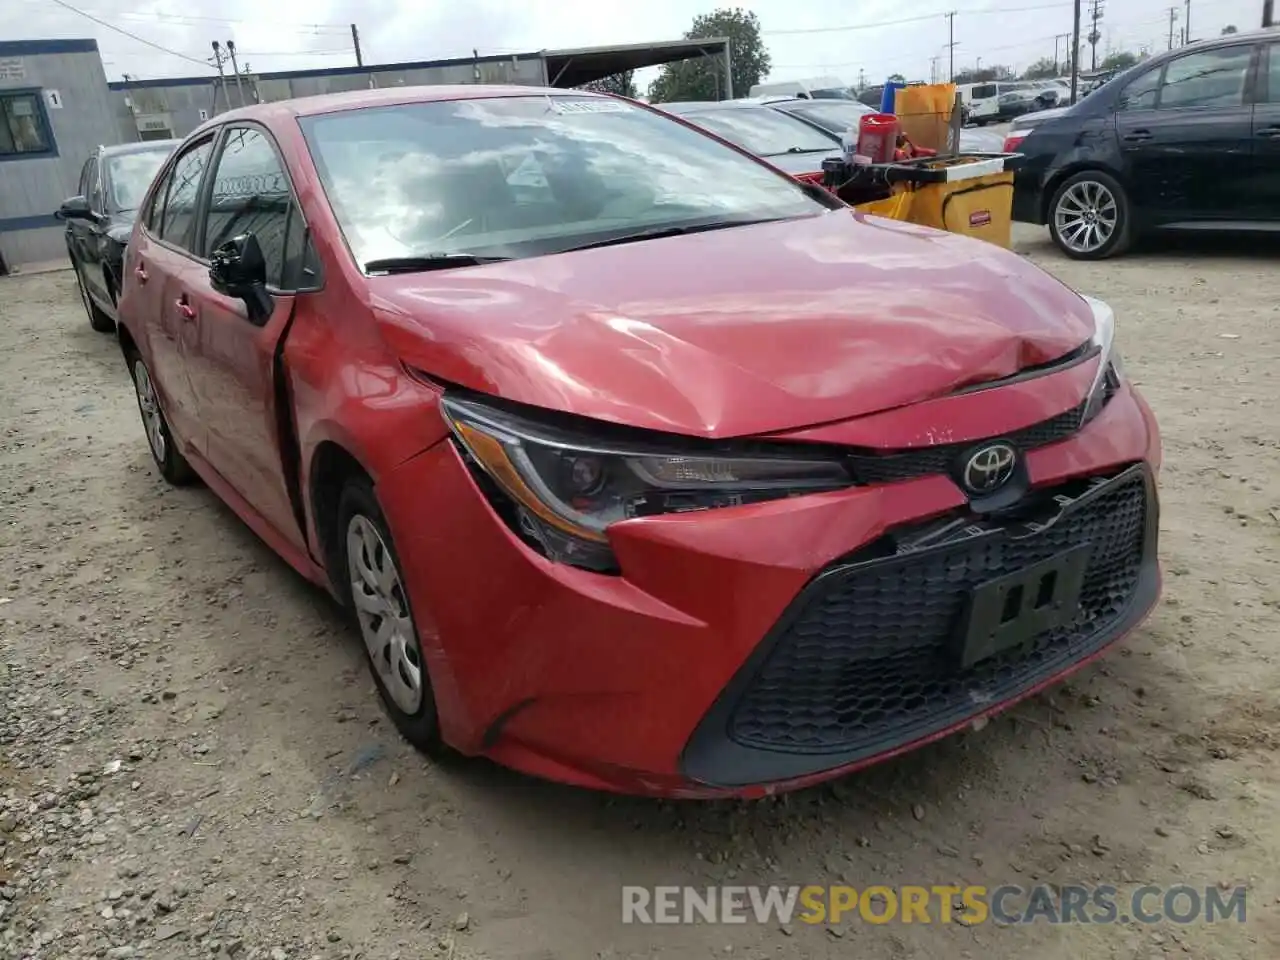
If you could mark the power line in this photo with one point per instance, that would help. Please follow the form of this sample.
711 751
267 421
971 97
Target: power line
916 19
194 18
131 36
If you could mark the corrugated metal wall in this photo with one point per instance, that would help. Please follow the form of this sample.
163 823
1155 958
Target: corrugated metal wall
31 188
186 104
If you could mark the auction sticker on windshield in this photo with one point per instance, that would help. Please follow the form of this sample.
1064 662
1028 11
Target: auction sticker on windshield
561 105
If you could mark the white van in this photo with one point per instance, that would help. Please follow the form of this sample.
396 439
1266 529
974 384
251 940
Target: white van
817 88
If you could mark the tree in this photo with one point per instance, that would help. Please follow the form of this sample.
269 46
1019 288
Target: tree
1042 69
703 78
897 78
1120 60
997 72
1229 28
623 84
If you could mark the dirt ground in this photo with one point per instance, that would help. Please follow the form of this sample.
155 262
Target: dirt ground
193 762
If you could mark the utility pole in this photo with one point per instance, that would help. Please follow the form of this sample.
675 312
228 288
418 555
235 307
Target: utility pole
862 80
1173 18
1268 12
1060 36
951 45
933 68
231 51
1094 35
1186 25
355 42
222 77
1075 52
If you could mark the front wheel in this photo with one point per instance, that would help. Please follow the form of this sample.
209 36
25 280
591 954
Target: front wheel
1090 217
372 584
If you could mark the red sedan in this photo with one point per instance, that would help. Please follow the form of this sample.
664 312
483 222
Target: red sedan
640 465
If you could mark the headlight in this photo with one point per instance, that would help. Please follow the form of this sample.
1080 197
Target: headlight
567 488
1110 371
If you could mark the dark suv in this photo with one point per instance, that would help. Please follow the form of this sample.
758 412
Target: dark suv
1187 140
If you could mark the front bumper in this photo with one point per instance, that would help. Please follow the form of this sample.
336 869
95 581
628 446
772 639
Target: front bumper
697 672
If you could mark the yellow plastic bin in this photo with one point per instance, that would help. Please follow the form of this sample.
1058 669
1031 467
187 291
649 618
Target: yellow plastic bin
970 195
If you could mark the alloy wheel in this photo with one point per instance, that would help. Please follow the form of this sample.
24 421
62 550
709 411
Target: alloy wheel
150 408
383 611
1086 216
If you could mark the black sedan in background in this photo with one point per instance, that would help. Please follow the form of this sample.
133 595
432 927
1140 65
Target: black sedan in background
1188 140
100 218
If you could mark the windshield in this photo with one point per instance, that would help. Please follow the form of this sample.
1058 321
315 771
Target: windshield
763 131
526 176
834 115
130 174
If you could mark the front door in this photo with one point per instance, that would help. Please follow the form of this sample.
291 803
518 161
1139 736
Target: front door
1265 183
1179 152
233 371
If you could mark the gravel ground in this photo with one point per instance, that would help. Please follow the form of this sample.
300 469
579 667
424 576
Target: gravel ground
193 762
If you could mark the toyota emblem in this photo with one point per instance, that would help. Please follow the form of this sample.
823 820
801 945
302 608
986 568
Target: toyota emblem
989 468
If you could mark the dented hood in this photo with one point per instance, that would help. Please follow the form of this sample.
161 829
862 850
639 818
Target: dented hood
740 331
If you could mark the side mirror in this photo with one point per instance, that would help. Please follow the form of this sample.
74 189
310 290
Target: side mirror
76 208
238 269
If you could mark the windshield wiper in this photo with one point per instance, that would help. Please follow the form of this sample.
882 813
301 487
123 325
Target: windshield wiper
799 150
659 232
430 261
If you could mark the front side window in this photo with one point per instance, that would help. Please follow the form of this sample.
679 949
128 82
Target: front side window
527 176
129 175
179 214
1211 78
23 129
82 188
1140 92
1273 73
251 194
762 131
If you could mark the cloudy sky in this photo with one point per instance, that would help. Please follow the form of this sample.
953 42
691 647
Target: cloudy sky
805 37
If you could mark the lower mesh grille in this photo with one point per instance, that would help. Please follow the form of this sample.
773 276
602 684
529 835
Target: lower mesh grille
866 663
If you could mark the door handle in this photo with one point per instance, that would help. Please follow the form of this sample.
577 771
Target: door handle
141 273
1137 136
187 310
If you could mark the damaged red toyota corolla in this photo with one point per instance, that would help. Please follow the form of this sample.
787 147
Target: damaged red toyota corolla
641 466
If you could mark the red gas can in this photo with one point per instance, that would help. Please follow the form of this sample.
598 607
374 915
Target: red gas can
878 136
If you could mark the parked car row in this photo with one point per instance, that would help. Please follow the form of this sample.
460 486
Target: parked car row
639 464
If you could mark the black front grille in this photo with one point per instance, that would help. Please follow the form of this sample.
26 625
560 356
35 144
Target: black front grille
872 467
866 663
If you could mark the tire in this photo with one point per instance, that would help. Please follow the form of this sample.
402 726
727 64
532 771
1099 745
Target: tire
1086 198
399 670
172 464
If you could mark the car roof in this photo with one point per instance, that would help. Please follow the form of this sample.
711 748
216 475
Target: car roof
143 146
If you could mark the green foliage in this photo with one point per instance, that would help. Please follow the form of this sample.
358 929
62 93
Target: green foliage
703 78
1042 69
623 84
1120 60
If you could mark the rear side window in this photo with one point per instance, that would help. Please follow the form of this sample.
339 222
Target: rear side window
251 195
1140 94
1273 74
1211 78
984 91
182 191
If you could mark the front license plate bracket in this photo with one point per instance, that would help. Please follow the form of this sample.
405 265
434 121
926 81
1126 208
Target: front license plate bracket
1012 610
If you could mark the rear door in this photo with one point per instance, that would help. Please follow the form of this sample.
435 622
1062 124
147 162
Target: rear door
1265 185
234 369
162 266
1186 150
93 237
78 230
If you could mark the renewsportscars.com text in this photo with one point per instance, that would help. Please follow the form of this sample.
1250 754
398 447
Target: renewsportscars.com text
969 905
